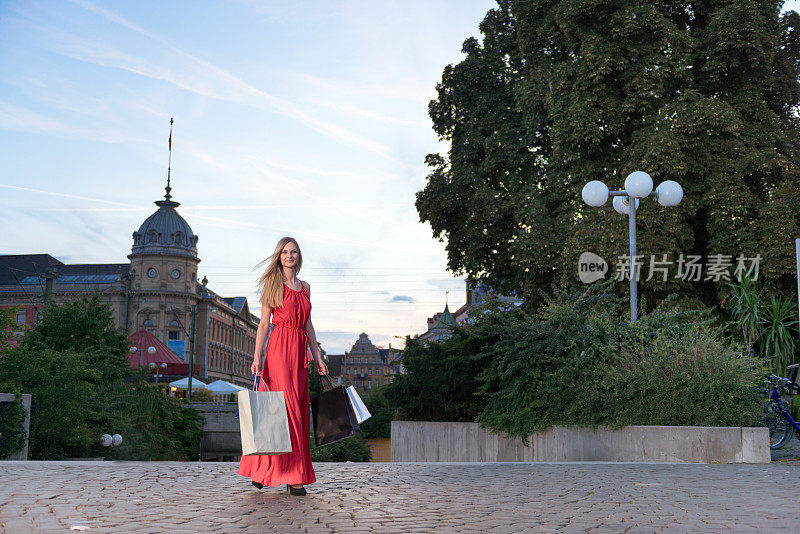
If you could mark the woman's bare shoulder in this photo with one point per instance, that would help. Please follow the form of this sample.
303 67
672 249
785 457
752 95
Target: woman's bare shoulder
306 284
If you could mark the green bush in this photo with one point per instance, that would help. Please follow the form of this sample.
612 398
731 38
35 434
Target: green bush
353 449
12 429
577 361
685 375
441 379
381 410
153 425
795 409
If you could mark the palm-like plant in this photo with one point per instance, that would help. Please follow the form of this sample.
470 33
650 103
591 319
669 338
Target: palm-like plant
746 309
778 331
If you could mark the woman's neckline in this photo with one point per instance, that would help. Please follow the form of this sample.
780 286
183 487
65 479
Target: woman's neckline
296 290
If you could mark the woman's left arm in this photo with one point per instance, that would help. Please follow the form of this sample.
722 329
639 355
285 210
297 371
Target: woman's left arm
312 339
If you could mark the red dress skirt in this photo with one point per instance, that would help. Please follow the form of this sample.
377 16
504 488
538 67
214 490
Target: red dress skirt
286 369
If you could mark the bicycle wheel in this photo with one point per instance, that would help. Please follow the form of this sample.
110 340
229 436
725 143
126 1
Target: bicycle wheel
780 432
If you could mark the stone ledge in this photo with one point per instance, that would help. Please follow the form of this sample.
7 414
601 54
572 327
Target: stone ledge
418 441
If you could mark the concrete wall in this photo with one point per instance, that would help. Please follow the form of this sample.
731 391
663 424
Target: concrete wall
221 435
414 441
26 404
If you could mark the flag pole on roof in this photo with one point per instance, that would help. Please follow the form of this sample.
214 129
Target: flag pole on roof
169 164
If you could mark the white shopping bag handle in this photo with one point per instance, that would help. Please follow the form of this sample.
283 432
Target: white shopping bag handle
255 388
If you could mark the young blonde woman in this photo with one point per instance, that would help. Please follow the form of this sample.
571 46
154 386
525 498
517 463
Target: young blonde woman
287 299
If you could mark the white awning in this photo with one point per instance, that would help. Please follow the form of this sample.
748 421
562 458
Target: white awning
183 383
221 387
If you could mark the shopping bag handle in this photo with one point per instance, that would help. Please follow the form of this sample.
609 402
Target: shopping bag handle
255 387
326 382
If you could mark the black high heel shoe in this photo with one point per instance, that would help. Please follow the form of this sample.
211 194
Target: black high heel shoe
295 491
259 485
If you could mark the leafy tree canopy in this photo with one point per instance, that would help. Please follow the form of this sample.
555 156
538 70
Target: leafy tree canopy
561 92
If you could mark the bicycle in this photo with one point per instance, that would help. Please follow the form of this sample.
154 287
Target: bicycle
776 417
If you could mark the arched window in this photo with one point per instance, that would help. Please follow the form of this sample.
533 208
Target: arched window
148 322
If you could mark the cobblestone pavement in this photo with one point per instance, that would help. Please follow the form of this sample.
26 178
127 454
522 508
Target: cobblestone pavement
492 497
791 451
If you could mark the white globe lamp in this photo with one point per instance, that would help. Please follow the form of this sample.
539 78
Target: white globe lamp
595 193
116 440
622 205
106 440
638 184
669 193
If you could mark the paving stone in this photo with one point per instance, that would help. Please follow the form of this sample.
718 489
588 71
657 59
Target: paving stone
382 498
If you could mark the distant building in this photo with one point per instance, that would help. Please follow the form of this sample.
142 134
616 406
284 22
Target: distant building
441 325
155 291
365 366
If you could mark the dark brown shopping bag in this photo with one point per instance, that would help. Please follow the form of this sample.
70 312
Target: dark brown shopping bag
332 415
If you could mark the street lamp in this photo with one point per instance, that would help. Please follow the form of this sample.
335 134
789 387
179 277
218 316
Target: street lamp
150 350
637 185
154 366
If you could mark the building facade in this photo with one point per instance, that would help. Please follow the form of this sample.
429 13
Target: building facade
365 366
157 290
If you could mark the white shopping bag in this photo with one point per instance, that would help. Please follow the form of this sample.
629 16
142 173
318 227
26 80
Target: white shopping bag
362 414
263 422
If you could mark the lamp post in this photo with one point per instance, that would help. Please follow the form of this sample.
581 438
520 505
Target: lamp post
150 350
638 185
155 366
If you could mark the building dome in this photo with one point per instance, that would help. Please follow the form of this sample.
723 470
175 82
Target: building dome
165 232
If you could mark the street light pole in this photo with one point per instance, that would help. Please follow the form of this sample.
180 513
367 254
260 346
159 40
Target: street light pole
191 354
634 275
638 185
150 350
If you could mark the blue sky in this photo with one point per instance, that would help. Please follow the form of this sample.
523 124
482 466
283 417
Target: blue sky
294 118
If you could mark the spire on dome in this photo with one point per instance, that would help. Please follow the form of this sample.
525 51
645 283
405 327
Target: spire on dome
169 164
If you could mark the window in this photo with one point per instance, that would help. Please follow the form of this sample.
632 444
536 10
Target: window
21 317
173 334
151 272
148 322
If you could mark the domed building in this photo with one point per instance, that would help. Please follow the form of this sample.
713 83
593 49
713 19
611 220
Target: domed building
158 290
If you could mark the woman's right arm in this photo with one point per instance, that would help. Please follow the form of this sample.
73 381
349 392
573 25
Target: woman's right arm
261 339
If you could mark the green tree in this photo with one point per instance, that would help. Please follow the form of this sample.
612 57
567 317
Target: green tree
85 326
561 92
65 413
7 325
74 364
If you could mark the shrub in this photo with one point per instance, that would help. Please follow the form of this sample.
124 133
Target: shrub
685 375
544 368
12 429
577 361
353 449
381 410
441 379
153 425
202 395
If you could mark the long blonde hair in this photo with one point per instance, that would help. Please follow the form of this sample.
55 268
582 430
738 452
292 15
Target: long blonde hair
271 282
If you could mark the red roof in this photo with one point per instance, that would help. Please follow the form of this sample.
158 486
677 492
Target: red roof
142 340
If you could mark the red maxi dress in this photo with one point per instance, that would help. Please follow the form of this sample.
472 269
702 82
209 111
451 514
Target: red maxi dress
286 369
